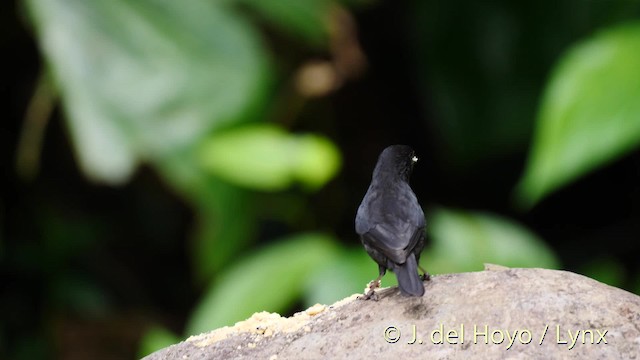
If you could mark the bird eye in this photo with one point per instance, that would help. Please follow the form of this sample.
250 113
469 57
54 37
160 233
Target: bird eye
414 159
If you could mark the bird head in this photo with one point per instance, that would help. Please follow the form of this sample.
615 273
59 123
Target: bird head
396 161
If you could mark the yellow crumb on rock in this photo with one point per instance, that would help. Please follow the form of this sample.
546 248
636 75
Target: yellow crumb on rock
265 324
315 309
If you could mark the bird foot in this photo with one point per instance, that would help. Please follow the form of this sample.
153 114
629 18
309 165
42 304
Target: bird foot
371 294
425 277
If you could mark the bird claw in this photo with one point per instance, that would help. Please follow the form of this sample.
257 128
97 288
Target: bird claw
425 277
371 294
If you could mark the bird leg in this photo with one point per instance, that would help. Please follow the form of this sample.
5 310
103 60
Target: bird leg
371 294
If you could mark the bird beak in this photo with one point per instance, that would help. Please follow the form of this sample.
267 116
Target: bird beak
414 159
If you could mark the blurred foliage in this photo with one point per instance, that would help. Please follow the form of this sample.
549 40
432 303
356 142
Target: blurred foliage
148 82
269 280
464 241
304 19
348 272
200 93
481 64
636 285
142 80
590 112
267 158
604 269
154 339
225 216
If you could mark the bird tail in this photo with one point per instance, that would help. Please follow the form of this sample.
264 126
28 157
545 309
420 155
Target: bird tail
408 278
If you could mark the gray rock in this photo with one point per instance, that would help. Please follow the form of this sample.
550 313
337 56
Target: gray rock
496 313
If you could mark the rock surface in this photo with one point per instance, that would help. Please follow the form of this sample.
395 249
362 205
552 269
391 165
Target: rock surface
496 313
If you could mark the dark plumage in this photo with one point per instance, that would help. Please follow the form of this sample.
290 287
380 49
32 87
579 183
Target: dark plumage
390 221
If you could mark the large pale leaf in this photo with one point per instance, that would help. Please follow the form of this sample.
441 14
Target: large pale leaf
140 79
590 112
266 157
270 279
464 241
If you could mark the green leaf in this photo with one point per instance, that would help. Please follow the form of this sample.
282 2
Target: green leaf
271 279
225 221
266 157
635 285
140 79
155 339
343 276
590 112
605 269
306 19
224 226
464 241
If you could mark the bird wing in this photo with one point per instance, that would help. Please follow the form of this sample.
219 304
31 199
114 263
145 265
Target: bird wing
391 220
395 240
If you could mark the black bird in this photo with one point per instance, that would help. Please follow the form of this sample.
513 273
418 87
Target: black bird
391 223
